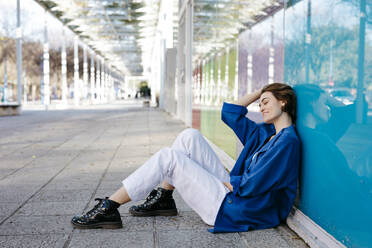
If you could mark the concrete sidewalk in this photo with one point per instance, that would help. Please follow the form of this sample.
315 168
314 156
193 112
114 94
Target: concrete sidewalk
54 163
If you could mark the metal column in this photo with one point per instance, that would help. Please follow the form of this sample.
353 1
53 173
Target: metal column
226 85
85 72
92 77
218 89
249 66
64 68
236 76
19 53
76 71
102 86
271 52
203 81
46 63
211 81
360 111
5 96
98 80
188 63
308 43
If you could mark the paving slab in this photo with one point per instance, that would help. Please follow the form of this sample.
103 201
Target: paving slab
17 193
40 241
112 239
196 238
183 221
66 185
61 195
47 208
112 185
291 237
267 238
8 208
17 225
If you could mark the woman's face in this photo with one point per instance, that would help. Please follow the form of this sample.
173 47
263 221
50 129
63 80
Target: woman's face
270 107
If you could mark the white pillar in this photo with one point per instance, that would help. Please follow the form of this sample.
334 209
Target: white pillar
85 72
206 83
236 76
108 77
272 53
198 83
102 87
211 83
98 81
76 72
202 90
249 71
162 76
218 88
226 84
5 80
19 53
46 63
92 81
188 63
64 68
24 88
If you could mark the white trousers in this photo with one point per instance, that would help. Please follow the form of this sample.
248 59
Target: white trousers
192 167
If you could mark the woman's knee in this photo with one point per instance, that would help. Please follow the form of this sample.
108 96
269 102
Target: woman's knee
190 133
165 151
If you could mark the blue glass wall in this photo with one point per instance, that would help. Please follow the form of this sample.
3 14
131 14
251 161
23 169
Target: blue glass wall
323 49
328 57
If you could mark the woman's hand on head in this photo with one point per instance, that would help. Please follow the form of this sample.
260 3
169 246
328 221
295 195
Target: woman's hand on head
248 98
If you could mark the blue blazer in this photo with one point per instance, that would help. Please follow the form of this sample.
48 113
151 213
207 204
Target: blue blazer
264 177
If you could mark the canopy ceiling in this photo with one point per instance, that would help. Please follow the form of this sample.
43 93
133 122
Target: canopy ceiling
124 31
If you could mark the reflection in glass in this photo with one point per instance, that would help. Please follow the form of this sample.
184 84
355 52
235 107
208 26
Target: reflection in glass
326 58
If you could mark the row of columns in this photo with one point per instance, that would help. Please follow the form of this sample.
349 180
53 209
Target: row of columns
101 79
101 85
208 92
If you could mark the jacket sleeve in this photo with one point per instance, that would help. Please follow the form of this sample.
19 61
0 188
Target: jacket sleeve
234 116
274 170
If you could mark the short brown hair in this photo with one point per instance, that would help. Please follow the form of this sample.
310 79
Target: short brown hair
285 93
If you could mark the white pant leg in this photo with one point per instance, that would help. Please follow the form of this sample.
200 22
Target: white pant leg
201 190
192 143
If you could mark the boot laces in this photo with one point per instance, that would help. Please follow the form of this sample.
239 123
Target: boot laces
149 199
95 209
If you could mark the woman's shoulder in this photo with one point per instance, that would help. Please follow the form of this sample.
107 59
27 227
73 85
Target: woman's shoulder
289 136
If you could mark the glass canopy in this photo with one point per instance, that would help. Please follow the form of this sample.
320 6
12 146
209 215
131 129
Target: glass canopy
124 31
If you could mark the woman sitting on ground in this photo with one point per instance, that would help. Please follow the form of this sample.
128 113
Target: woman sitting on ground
259 191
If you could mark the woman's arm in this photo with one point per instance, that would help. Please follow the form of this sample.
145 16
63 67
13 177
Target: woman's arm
248 98
234 115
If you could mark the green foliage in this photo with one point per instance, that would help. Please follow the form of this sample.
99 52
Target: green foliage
328 43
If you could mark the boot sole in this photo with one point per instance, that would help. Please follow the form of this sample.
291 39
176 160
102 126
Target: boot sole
103 225
168 212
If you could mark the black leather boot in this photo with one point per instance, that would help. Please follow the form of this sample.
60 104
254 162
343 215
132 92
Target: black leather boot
159 202
104 215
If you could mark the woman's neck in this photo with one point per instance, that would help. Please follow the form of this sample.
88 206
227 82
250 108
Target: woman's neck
283 121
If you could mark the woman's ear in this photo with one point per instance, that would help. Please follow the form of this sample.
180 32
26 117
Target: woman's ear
282 105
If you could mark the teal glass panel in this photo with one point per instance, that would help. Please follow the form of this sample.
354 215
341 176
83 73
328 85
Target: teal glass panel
327 57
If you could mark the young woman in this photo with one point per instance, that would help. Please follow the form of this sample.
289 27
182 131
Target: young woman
259 191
